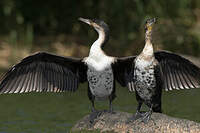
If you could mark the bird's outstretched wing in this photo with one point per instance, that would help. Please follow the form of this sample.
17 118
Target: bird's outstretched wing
124 71
43 72
178 72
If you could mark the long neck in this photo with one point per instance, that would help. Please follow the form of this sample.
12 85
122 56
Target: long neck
96 48
148 48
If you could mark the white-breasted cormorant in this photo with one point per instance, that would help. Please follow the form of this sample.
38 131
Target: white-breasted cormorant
44 72
154 71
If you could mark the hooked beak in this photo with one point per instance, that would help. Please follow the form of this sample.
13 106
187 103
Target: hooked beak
152 21
87 21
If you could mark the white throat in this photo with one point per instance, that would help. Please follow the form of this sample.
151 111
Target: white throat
97 59
95 49
148 49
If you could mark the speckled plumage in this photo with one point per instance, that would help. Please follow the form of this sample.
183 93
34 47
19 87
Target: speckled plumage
156 70
100 82
144 78
99 74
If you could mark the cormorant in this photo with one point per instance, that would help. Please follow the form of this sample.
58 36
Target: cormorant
154 71
44 72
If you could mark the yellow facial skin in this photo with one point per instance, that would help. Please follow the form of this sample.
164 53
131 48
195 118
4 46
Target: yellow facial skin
150 23
149 27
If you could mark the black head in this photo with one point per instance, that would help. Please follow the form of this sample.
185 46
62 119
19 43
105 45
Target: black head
99 25
149 24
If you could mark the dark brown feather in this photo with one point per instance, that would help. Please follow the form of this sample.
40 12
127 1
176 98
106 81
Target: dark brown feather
43 72
178 72
124 71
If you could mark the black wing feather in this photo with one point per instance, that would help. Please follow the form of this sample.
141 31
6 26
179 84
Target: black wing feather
43 72
178 72
124 71
29 77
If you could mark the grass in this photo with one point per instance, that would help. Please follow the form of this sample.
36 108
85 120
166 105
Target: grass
58 112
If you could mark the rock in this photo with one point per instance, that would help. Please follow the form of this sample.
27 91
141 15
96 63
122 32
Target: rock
117 122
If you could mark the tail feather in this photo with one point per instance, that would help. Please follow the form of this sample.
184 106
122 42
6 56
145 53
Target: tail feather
157 108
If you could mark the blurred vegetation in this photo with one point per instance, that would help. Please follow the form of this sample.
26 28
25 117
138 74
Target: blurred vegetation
36 23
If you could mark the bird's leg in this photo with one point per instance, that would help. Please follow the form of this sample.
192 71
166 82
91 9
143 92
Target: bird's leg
93 107
110 110
110 107
147 115
137 115
95 113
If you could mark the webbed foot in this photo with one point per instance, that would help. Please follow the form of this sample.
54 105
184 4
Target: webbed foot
94 115
146 117
136 116
109 111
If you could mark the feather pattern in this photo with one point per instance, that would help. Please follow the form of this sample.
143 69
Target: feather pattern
124 71
43 72
178 72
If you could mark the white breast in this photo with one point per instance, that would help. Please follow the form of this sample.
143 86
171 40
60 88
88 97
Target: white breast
100 77
99 62
141 63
